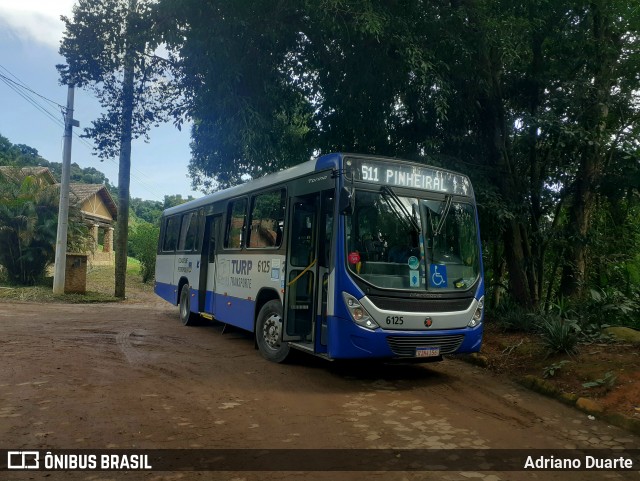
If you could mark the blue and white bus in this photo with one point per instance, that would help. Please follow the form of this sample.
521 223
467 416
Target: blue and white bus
343 256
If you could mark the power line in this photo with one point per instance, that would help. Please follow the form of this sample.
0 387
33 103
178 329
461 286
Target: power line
33 102
20 87
24 86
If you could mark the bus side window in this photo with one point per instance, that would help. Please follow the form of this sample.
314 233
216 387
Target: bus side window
266 219
236 218
171 233
189 232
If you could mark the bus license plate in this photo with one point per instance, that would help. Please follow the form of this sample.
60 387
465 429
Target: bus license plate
427 351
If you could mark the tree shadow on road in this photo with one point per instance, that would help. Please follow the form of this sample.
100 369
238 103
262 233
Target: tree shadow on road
377 374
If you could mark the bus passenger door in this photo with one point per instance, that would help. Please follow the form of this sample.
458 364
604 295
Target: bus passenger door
206 293
302 269
325 252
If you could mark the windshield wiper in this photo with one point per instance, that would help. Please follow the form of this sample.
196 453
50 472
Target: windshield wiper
413 222
443 215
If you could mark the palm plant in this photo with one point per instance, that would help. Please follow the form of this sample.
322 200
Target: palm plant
28 226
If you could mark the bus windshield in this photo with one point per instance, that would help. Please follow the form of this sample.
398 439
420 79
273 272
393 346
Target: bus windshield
398 242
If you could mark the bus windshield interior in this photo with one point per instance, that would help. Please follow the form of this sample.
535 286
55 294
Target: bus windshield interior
397 242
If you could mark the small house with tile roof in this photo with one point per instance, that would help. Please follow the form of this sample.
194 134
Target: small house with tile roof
97 208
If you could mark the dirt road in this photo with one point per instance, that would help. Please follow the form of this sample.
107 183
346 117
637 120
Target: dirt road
131 376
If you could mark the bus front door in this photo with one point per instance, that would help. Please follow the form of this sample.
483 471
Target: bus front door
302 270
207 287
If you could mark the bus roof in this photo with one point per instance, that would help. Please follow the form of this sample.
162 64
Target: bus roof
324 162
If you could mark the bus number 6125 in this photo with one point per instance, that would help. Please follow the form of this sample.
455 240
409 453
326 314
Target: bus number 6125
395 320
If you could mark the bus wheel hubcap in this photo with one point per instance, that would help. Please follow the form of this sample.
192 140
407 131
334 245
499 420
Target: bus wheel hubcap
183 305
271 331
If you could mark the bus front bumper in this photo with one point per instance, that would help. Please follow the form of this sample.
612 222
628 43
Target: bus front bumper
347 340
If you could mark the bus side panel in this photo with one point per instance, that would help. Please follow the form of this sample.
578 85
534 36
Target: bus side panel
239 278
235 311
164 285
187 266
171 269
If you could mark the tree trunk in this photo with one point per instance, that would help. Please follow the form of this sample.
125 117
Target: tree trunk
594 122
124 172
498 270
493 123
574 269
517 265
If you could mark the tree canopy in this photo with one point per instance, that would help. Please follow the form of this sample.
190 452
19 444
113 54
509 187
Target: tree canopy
537 101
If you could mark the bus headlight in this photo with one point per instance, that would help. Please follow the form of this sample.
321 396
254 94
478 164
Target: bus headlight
477 316
358 313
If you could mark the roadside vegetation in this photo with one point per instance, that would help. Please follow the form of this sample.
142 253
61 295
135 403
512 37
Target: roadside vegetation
99 288
589 350
28 226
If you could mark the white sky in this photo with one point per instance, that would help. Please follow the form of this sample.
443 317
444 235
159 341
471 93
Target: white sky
36 19
30 33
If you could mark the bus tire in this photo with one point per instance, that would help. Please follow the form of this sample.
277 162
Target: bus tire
269 332
187 317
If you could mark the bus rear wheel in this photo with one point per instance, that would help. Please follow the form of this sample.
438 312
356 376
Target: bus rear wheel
269 332
187 317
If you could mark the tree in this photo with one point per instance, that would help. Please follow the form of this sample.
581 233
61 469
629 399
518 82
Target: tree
173 200
144 243
553 86
109 48
603 117
148 210
247 120
20 155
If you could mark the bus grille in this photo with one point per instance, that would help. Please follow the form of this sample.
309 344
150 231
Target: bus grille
421 305
406 346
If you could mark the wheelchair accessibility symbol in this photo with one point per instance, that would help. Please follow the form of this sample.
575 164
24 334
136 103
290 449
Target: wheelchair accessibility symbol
437 275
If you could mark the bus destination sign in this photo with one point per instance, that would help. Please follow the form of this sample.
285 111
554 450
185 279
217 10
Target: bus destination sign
411 176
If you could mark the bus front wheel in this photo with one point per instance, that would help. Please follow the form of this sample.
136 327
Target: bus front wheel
187 317
269 332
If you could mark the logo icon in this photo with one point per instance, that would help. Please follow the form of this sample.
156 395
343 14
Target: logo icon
23 460
438 276
428 322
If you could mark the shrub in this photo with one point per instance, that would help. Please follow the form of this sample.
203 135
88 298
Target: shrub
610 306
144 246
560 335
511 317
550 371
608 381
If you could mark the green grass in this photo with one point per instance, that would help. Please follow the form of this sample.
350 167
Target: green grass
100 287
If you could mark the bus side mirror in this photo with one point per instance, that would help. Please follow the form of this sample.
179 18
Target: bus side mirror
346 200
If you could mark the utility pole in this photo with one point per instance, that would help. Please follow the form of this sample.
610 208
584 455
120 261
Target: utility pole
63 208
